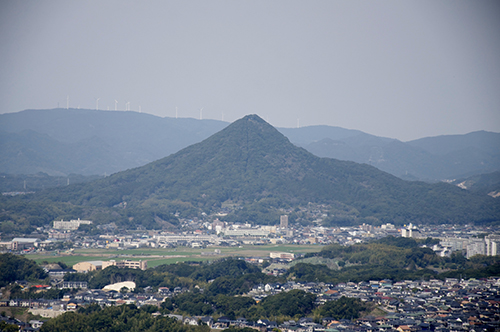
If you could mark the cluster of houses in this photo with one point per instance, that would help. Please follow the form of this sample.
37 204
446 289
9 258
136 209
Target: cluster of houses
450 305
70 302
31 326
409 306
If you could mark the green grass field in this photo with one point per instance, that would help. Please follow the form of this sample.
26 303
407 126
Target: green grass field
156 256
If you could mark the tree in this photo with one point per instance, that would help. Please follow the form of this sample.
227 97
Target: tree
295 303
8 327
343 308
14 267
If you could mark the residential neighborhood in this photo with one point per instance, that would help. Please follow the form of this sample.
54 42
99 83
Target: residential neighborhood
454 304
434 305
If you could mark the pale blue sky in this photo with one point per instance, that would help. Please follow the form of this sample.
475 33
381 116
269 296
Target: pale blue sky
401 69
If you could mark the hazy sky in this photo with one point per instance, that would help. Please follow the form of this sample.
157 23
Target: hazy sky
401 69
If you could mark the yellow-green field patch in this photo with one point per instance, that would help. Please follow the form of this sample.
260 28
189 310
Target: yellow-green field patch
156 256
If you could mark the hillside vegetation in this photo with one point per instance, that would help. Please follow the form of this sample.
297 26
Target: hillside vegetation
394 259
252 165
13 267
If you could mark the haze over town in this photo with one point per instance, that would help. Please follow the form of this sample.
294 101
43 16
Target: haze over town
403 70
120 210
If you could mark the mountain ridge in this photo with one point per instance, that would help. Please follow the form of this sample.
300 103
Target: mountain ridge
104 142
134 139
252 163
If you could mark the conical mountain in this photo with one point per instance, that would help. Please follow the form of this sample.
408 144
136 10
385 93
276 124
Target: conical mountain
250 162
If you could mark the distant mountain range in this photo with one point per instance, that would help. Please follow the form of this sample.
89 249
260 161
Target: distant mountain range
429 159
486 184
88 142
253 167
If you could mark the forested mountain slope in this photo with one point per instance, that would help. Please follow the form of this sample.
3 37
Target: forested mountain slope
251 163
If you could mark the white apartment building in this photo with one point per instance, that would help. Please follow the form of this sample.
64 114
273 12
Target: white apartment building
143 265
492 244
476 248
71 225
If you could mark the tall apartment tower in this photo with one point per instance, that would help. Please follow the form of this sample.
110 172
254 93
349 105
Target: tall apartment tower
476 248
284 221
492 244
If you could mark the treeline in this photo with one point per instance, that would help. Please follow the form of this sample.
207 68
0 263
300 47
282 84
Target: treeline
117 318
280 307
389 258
387 200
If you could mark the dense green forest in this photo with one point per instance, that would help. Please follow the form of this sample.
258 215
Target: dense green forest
343 308
252 165
280 307
14 267
5 327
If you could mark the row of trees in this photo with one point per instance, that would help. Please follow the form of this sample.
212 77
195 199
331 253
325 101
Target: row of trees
280 307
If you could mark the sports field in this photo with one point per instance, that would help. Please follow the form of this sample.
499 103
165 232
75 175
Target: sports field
157 257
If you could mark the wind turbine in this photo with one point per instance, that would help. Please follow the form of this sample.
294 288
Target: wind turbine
97 104
116 102
127 106
67 102
201 113
176 112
